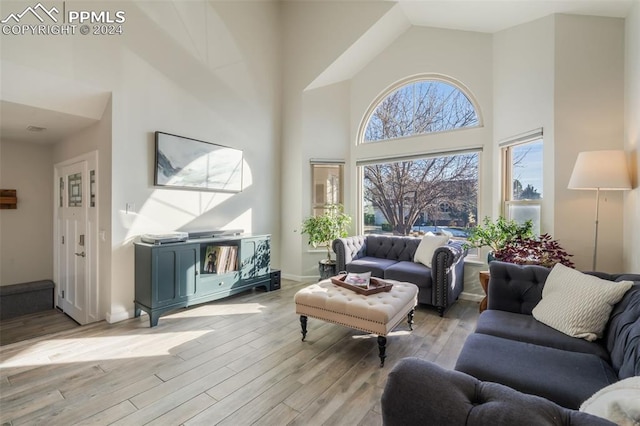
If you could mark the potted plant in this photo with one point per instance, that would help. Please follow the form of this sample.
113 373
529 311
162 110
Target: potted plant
542 250
325 228
496 234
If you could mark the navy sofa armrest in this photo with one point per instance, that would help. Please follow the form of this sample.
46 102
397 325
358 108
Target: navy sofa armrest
419 392
447 274
348 249
448 255
515 288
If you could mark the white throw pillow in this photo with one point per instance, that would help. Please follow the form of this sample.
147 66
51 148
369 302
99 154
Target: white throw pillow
578 304
430 242
619 402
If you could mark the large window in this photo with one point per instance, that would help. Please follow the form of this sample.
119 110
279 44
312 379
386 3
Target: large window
419 107
327 185
416 195
522 183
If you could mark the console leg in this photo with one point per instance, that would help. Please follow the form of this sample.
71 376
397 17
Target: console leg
382 347
303 324
153 319
410 318
137 311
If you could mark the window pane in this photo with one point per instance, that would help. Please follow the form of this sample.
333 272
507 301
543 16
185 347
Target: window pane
523 212
421 195
420 107
526 171
75 190
327 184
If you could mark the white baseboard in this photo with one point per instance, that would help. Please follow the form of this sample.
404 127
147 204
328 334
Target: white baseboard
301 278
118 316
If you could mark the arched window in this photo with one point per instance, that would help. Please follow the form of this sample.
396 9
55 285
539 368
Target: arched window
419 107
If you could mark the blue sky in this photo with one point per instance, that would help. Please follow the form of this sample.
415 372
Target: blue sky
529 171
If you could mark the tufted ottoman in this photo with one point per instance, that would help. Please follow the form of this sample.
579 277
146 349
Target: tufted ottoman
377 313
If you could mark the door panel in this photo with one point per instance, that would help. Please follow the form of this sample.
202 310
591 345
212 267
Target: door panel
72 229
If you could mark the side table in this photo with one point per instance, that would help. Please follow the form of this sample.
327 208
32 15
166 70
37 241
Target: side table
484 282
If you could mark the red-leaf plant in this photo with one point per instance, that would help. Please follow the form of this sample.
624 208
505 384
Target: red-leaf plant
542 250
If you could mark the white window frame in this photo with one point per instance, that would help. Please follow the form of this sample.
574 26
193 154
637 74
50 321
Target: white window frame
506 149
360 164
320 204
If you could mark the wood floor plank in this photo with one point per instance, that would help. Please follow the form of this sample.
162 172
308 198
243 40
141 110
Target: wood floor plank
165 403
110 415
69 412
34 325
185 411
17 407
264 403
354 409
234 361
281 414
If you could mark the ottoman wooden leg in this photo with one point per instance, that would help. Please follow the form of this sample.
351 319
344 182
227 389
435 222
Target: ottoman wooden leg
410 318
303 324
382 347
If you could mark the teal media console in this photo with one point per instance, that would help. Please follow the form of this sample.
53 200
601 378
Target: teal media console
176 275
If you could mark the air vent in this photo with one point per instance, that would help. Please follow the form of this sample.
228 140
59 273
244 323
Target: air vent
36 129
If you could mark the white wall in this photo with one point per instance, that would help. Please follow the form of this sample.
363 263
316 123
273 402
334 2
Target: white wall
564 73
524 100
465 57
589 115
207 70
26 233
326 135
632 140
314 35
96 137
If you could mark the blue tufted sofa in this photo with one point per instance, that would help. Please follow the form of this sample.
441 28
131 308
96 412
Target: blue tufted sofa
391 257
515 370
419 392
511 347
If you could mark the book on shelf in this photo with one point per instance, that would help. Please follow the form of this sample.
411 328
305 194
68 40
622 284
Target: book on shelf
220 259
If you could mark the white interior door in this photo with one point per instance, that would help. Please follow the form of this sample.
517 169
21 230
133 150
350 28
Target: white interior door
73 279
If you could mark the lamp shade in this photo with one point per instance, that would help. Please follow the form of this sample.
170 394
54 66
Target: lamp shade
600 170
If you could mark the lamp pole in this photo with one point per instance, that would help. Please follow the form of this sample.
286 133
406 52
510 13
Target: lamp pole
595 243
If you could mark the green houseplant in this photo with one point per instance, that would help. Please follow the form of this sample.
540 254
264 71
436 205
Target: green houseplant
496 235
325 228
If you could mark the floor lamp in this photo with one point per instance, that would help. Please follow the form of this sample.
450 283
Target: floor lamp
600 170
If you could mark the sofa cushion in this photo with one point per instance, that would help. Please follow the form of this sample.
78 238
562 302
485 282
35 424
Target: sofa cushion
526 328
392 247
622 335
374 265
515 288
430 242
578 304
411 272
567 378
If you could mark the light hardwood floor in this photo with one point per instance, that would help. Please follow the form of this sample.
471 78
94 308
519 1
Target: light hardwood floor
34 325
238 361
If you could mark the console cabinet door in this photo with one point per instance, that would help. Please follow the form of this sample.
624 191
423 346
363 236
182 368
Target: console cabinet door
174 274
256 258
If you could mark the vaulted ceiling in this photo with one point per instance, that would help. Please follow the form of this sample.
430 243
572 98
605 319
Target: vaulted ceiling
61 119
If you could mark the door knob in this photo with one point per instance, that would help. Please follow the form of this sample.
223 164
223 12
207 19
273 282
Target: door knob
80 254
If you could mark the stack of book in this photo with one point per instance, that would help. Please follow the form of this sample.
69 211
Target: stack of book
221 259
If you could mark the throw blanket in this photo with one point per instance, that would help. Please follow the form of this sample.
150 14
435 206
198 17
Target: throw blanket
619 402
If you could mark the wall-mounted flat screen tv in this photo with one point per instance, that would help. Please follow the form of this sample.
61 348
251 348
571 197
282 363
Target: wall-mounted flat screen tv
192 164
